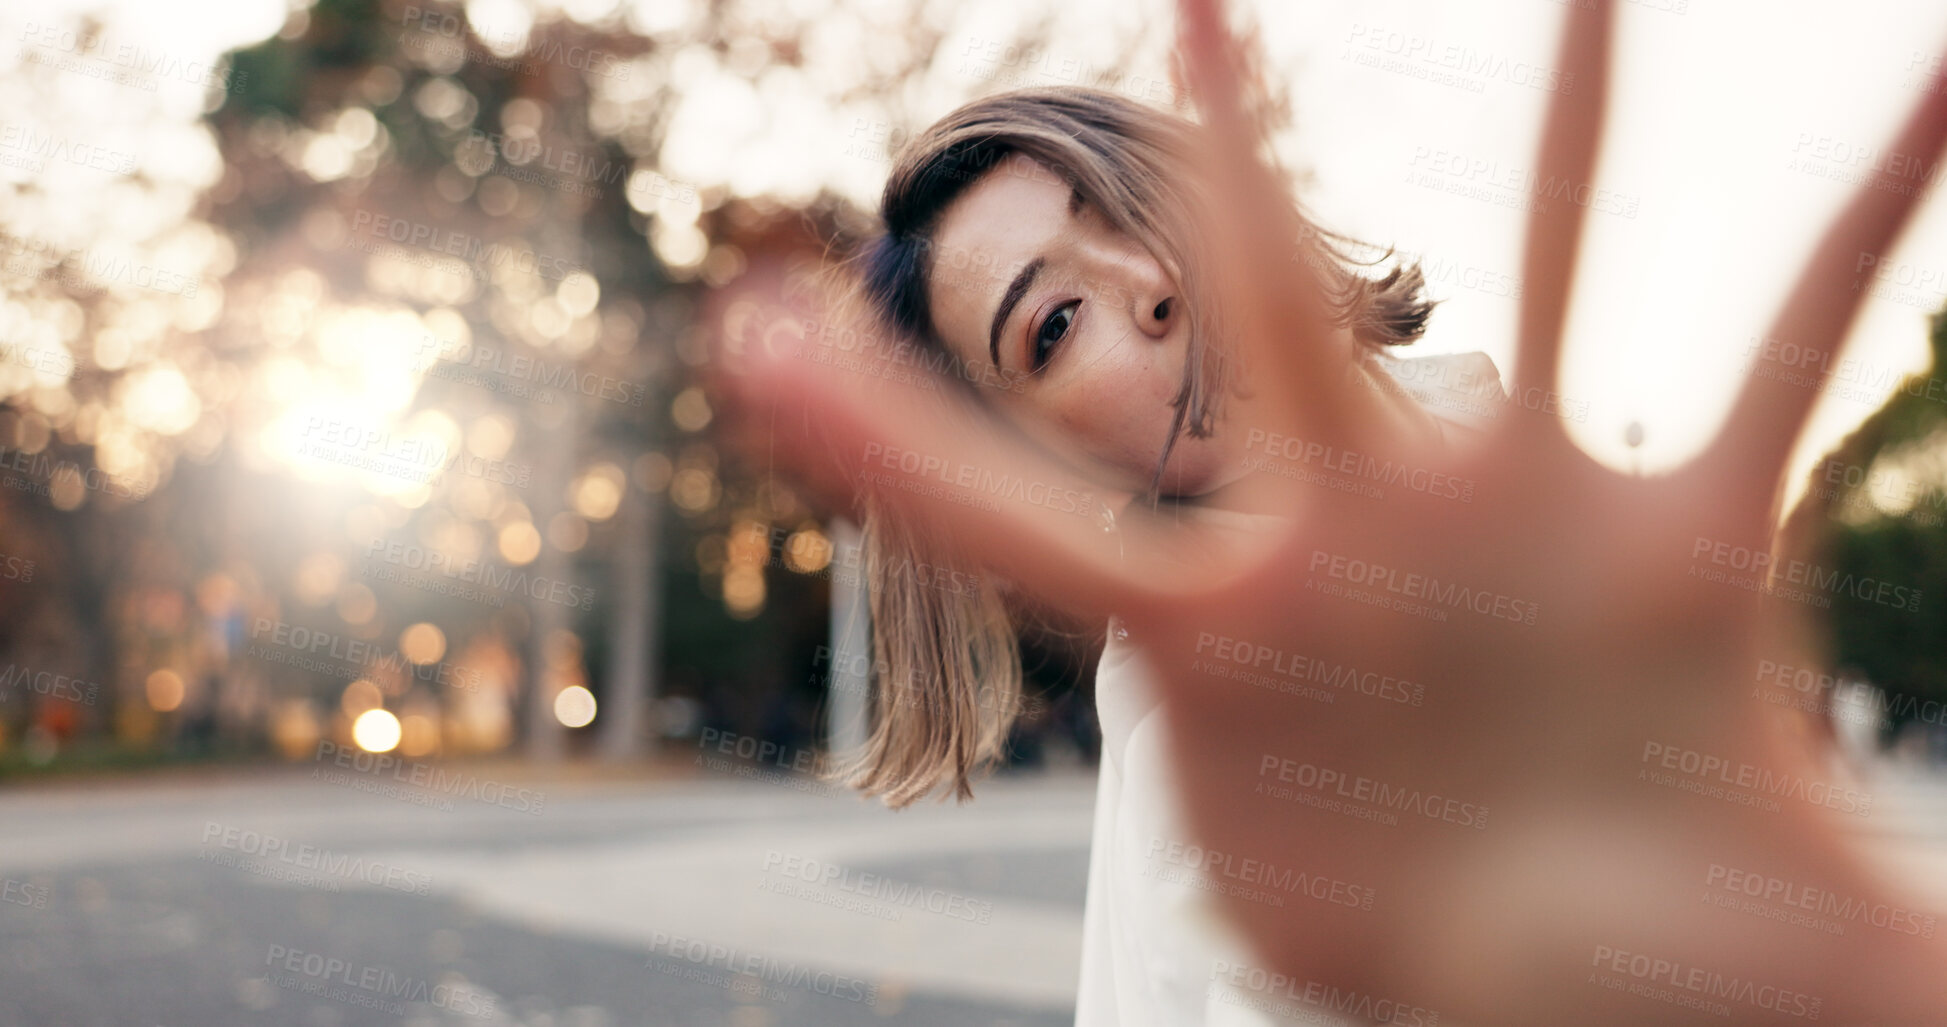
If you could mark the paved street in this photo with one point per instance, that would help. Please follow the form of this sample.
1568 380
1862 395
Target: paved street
277 898
392 897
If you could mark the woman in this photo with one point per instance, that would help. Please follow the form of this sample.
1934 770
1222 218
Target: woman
1582 655
1040 238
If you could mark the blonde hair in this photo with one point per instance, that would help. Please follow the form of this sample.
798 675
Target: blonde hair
957 654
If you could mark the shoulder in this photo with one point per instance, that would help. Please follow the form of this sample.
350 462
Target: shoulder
1461 390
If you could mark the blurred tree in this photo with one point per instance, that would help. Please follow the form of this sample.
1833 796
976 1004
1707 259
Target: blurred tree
410 288
1875 510
411 162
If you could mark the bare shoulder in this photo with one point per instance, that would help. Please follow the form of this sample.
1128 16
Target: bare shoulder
1461 390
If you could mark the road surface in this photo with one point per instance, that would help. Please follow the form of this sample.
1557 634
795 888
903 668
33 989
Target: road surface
389 896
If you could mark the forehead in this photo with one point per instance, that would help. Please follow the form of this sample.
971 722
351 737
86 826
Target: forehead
1012 213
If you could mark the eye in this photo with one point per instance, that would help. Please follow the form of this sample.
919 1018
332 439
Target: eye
1053 329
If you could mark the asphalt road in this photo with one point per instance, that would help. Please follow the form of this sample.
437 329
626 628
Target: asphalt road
379 897
334 896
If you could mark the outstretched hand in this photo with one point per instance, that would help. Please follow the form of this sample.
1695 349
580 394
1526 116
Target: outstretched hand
1540 766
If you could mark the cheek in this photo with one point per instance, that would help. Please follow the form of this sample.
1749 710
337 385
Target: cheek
1117 407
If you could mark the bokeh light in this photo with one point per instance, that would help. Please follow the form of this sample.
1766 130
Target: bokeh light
164 689
376 730
574 706
422 643
359 697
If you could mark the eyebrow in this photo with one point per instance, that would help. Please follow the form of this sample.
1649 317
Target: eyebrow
1015 290
1019 287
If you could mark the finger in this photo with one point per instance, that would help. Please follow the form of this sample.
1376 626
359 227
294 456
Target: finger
1747 460
914 441
1570 141
1263 264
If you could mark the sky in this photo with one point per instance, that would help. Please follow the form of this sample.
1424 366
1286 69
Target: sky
1732 128
1729 123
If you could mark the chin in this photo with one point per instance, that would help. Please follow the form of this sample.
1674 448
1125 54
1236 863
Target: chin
1196 467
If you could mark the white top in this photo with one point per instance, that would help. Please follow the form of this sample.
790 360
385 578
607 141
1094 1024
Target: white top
1155 951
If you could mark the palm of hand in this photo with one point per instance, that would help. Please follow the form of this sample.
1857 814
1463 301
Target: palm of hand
1539 827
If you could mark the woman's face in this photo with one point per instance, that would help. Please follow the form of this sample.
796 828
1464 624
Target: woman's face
1085 330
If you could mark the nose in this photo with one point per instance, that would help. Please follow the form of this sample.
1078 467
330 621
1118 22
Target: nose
1156 321
1153 303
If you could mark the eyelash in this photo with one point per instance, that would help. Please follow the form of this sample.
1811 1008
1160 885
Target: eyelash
1036 359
